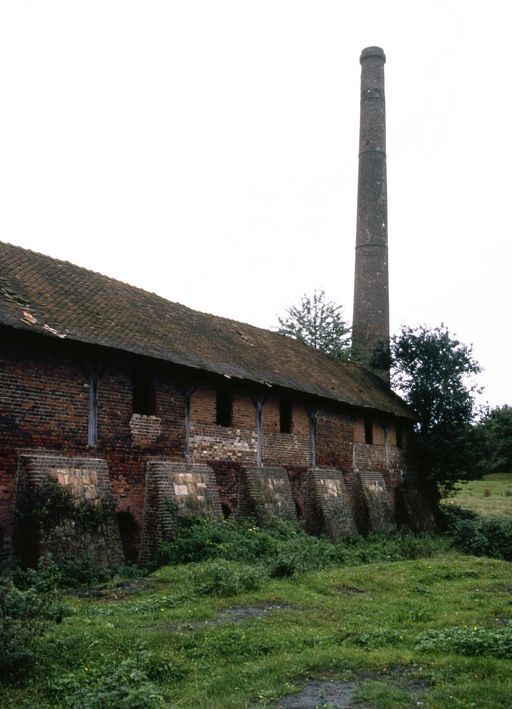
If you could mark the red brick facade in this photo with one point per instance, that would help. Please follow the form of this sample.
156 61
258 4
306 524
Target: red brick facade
45 406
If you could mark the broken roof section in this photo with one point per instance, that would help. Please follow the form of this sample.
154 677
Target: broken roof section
55 298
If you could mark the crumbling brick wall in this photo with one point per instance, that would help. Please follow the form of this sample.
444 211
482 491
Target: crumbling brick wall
86 486
44 406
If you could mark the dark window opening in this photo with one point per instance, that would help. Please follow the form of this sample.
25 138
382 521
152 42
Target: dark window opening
368 430
285 416
224 408
143 399
399 436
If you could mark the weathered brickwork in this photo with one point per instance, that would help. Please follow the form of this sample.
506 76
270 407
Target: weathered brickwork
87 481
172 489
299 482
334 436
285 448
211 441
234 498
45 406
145 430
328 504
271 494
370 322
377 501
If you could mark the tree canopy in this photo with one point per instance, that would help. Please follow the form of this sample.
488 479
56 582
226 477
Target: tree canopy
496 429
435 373
318 323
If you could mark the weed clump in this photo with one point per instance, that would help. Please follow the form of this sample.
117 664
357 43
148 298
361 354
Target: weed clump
226 578
380 637
470 642
481 536
131 684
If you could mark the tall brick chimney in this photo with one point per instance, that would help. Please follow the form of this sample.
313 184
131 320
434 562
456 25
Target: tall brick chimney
370 328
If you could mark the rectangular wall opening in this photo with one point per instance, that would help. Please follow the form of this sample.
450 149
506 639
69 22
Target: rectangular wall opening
368 430
224 407
142 392
285 415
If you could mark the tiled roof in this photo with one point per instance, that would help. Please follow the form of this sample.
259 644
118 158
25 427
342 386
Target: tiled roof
57 299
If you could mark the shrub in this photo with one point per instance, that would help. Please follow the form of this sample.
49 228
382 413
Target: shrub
72 572
285 566
280 545
498 532
226 578
198 539
468 538
285 549
27 605
481 536
451 515
80 572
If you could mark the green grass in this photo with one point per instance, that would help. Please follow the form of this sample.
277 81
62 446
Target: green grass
489 497
402 631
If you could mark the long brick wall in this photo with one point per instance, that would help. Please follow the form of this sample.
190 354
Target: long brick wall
45 406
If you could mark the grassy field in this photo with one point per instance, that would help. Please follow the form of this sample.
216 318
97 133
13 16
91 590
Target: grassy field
433 632
491 496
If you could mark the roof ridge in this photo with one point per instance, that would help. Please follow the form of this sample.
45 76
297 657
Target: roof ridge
55 297
137 288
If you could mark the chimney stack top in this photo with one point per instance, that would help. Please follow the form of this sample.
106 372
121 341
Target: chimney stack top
372 52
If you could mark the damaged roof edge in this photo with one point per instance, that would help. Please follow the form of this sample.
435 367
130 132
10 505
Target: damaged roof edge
48 332
57 299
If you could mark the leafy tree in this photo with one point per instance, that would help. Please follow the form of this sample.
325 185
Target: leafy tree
496 428
434 372
318 323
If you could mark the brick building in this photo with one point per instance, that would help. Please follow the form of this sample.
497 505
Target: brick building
92 369
116 394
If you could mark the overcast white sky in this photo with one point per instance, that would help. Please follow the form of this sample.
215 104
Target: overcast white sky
207 151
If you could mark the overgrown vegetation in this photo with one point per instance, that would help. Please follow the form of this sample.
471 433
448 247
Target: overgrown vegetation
28 604
481 536
285 549
226 578
181 641
54 503
131 683
403 619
